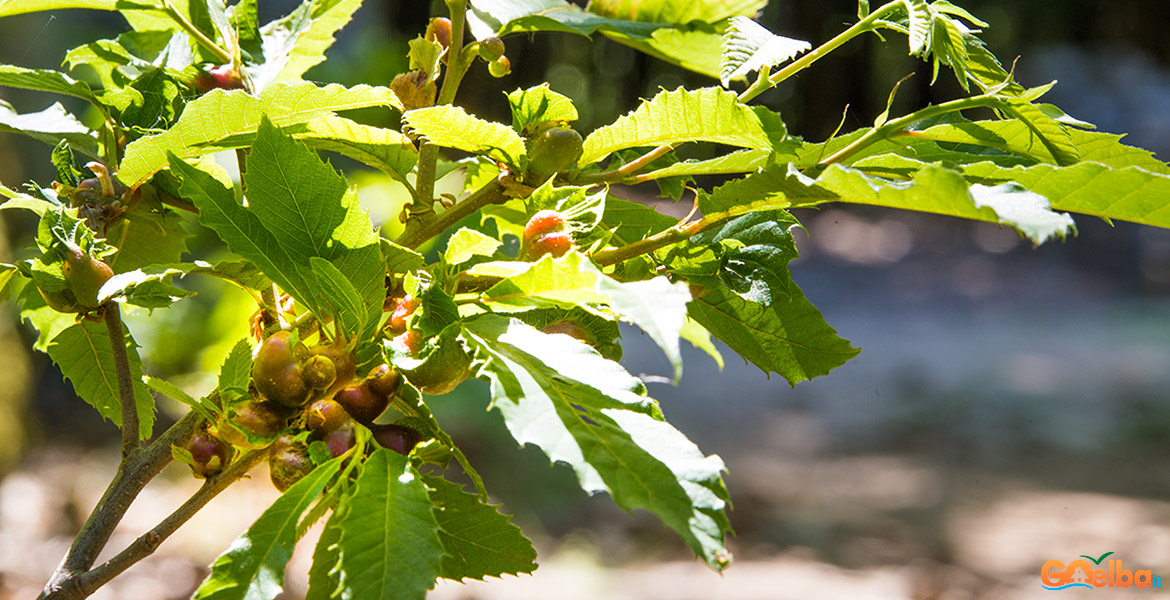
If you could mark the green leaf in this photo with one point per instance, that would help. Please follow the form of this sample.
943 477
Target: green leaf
146 287
390 547
658 306
145 238
253 567
44 80
690 44
1127 194
562 282
324 575
309 210
467 244
238 272
537 105
236 372
244 23
788 337
384 149
119 60
600 332
748 255
400 259
240 229
706 114
50 126
740 161
479 541
17 200
581 409
81 349
631 222
452 127
933 189
921 26
749 46
501 17
695 46
1051 133
425 55
693 43
150 102
221 115
304 35
939 190
342 299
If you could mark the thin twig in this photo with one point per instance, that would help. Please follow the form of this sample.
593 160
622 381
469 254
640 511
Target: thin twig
891 128
867 24
627 169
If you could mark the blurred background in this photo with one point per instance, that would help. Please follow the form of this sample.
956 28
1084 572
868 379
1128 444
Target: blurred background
1009 405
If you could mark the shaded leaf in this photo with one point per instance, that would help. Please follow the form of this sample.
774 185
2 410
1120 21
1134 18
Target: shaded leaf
389 545
478 540
788 337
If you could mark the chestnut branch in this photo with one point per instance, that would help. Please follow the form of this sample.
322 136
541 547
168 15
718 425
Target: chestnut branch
87 583
134 472
129 404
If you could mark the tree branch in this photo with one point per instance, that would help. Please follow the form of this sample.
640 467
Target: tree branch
88 582
130 427
133 474
434 224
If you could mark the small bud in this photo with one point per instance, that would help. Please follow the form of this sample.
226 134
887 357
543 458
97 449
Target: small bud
500 67
491 48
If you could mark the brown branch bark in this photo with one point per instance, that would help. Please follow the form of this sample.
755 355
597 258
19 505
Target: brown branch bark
133 474
130 426
87 583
